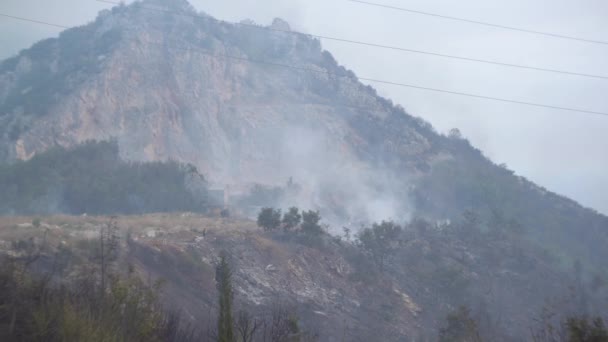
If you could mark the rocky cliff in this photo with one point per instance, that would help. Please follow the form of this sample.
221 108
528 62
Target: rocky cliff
249 104
184 86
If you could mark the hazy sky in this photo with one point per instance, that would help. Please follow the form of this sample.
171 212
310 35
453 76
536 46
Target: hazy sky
564 151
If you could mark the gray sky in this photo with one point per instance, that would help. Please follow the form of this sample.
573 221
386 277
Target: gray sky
565 152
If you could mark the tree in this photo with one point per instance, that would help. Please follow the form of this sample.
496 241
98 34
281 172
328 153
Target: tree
310 223
246 326
109 245
269 218
586 330
460 327
455 134
380 241
223 278
283 326
570 329
291 219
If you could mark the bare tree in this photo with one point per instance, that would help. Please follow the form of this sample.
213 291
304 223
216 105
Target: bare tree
246 326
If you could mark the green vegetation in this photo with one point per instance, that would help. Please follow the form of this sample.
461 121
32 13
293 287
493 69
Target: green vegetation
91 178
269 219
586 330
88 294
225 322
380 241
460 327
496 195
97 303
33 310
310 223
291 219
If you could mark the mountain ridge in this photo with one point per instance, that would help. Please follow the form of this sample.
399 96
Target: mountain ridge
136 76
161 85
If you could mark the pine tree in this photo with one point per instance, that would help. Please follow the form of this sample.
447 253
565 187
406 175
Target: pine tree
269 219
291 219
223 278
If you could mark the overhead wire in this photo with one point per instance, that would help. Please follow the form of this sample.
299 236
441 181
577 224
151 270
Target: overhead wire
374 80
33 21
478 22
384 46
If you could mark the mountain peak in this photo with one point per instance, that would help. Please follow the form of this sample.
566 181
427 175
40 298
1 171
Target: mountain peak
182 5
280 24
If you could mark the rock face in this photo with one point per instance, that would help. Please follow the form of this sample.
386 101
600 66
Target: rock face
244 103
251 104
187 87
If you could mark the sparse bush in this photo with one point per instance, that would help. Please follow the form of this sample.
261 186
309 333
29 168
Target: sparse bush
310 223
291 219
269 219
460 327
33 309
551 328
380 241
586 330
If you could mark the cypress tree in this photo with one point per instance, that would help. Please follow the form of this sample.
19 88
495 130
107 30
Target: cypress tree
223 277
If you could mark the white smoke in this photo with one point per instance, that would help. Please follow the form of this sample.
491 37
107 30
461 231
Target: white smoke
348 192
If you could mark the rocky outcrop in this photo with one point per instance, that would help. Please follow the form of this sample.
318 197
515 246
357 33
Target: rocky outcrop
197 90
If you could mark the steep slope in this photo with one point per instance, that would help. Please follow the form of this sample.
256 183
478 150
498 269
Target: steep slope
333 286
173 84
162 85
269 270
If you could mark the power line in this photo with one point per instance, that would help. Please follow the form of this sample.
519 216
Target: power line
512 28
396 83
33 21
437 90
388 47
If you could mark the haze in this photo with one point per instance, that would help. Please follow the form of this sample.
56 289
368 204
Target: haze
563 151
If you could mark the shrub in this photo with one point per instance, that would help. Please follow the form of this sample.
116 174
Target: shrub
291 219
310 223
269 219
380 241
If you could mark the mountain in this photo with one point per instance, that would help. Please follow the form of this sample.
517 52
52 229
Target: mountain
333 287
181 87
251 104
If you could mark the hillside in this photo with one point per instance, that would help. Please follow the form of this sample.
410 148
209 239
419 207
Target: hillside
160 84
262 105
92 179
334 286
